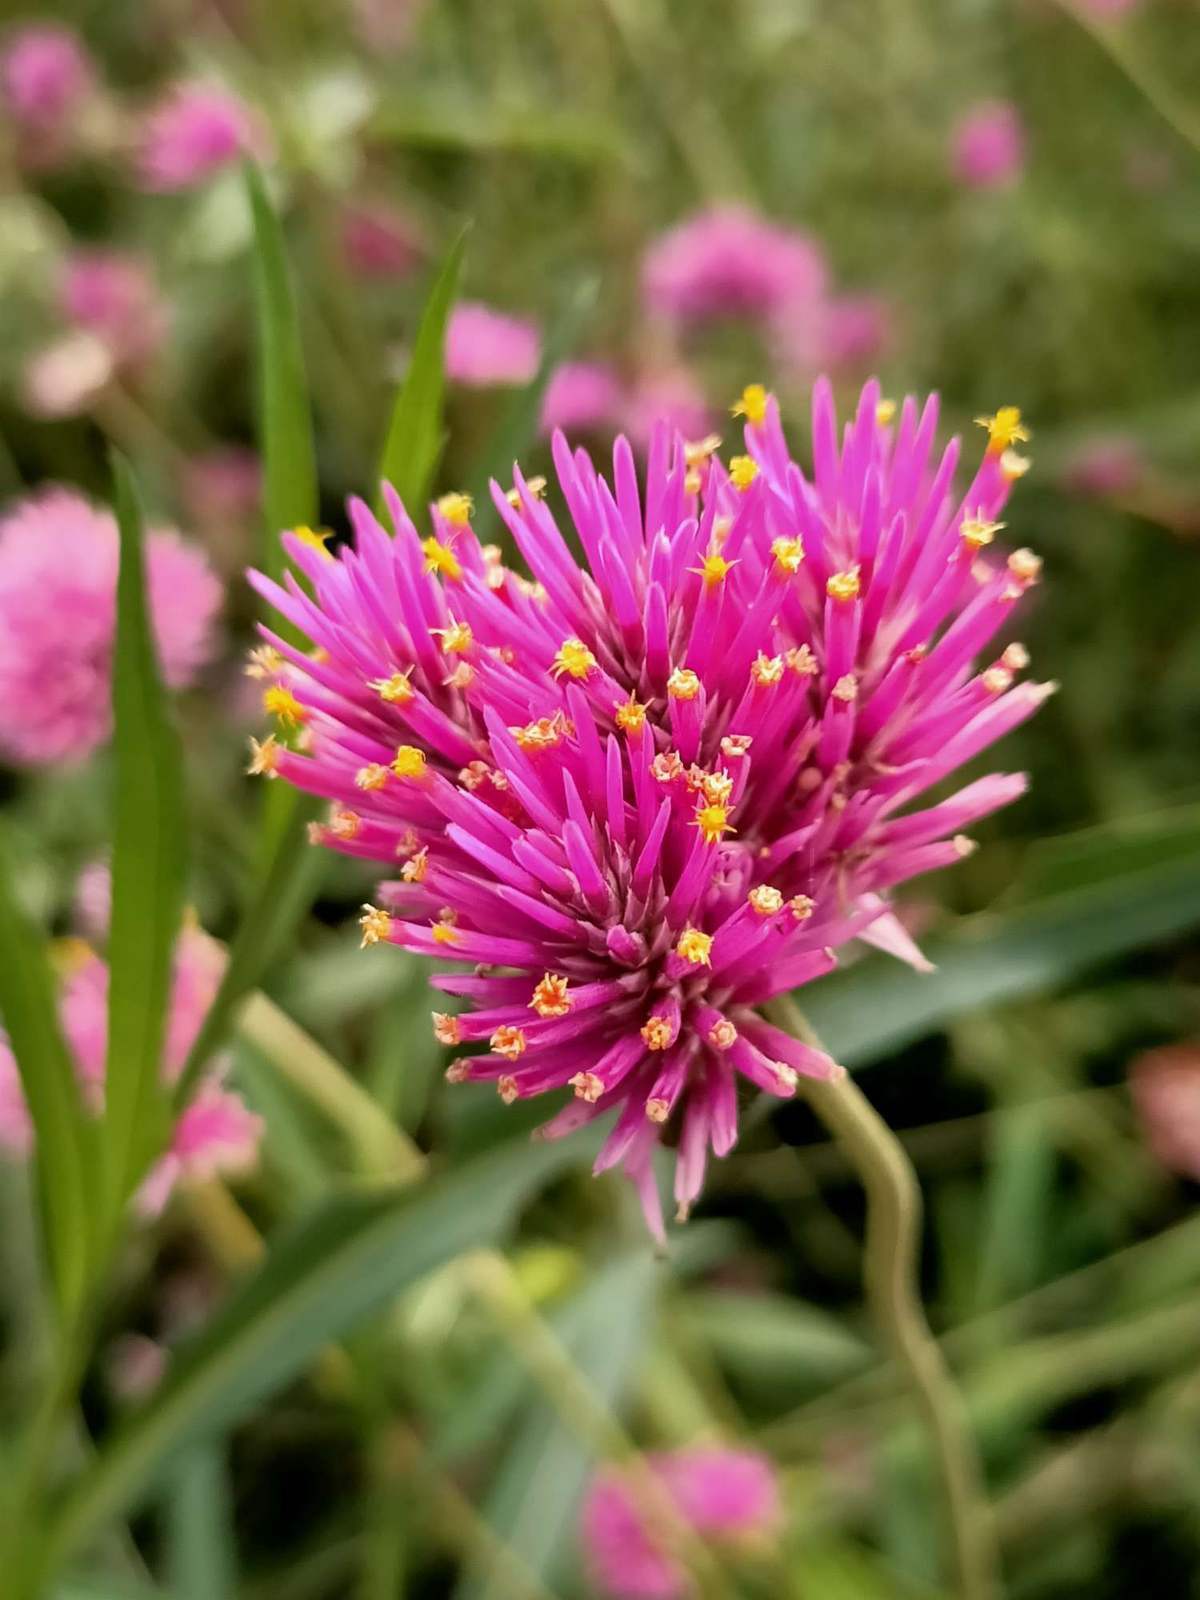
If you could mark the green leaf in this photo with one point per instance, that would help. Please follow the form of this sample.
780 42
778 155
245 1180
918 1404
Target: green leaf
879 1005
319 1280
63 1154
534 1498
771 1343
285 422
518 423
414 436
201 1559
284 893
440 123
149 866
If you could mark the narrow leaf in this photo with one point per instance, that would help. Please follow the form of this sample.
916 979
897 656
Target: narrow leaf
149 863
414 436
319 1280
27 1004
201 1559
285 424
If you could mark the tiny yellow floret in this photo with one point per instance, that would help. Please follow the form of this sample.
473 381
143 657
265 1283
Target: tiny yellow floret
751 403
742 472
371 777
630 717
282 704
766 900
409 762
456 508
977 531
551 997
788 553
440 558
1004 428
713 569
683 684
658 1033
456 639
695 947
843 586
315 539
376 925
884 412
573 658
395 690
508 1042
713 822
264 757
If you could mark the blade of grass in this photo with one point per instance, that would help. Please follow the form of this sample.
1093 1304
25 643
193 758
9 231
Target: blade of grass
149 865
201 1560
414 436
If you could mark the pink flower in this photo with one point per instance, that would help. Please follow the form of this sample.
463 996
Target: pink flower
857 330
581 396
670 395
92 905
64 378
45 75
378 241
641 797
224 486
729 261
114 297
195 131
1107 9
215 1133
988 146
1105 467
1165 1085
386 26
58 574
720 1494
485 347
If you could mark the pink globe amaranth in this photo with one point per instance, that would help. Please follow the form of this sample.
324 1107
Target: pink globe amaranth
670 395
486 348
214 1133
642 795
113 296
379 241
58 574
858 330
1105 466
988 146
1165 1085
721 1494
194 131
581 397
731 261
46 74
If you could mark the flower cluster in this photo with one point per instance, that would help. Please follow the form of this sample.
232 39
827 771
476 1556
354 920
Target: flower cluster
214 1133
58 576
642 795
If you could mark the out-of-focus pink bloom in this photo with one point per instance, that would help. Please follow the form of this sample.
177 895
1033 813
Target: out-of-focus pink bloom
1165 1085
639 792
485 347
730 261
113 296
92 905
581 396
215 1133
379 241
672 396
988 146
45 75
1108 9
1105 467
857 330
222 489
195 131
722 1495
386 26
135 1366
58 575
64 378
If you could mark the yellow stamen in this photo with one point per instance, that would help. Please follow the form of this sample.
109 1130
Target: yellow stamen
713 569
742 472
282 704
722 1035
1025 566
376 925
716 787
802 907
508 1089
802 661
462 677
766 900
735 745
456 508
587 1086
457 639
345 824
657 1110
264 757
697 451
695 947
1015 657
843 586
508 1042
1003 429
884 412
573 658
447 1030
440 558
751 404
666 766
658 1033
371 777
996 680
766 670
713 821
977 531
415 868
315 539
630 717
264 662
788 553
846 689
536 487
445 933
396 690
683 684
1013 465
551 997
543 734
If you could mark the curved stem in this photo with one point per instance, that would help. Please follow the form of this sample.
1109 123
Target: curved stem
892 1252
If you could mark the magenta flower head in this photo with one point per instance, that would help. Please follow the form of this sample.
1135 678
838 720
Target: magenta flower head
724 1496
580 397
730 261
58 577
486 348
113 296
45 74
1165 1085
195 131
988 146
641 796
215 1132
379 241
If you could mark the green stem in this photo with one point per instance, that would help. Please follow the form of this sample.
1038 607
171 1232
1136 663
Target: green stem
892 1249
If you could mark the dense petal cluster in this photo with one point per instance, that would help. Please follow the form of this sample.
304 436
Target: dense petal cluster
45 74
642 795
58 574
729 261
722 1495
113 296
197 129
486 348
214 1133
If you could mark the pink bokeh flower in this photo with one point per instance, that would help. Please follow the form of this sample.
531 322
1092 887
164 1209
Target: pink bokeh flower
195 131
730 261
858 330
670 395
486 348
379 241
113 297
215 1133
66 376
46 74
58 575
988 146
642 799
1107 10
722 1495
224 486
1105 466
580 397
1165 1085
